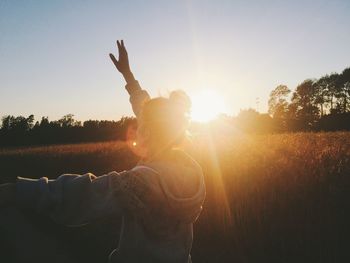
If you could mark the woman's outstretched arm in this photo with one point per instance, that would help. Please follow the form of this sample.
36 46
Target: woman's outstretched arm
138 96
74 200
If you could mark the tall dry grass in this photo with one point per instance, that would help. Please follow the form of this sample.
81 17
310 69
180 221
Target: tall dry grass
270 198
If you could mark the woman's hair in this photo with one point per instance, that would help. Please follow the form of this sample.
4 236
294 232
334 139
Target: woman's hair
166 119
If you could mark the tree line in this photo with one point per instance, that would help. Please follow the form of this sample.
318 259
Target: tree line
315 104
16 131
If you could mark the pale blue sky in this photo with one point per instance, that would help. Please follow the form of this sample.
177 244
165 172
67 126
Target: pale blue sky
54 54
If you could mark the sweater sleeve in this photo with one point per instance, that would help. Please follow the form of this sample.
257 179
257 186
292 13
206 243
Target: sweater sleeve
73 199
138 96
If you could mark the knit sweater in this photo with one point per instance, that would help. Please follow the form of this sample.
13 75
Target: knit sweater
158 200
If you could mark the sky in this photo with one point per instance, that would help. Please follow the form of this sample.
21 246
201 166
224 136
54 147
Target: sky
54 54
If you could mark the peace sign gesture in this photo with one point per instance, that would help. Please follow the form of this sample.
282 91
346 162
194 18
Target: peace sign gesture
122 64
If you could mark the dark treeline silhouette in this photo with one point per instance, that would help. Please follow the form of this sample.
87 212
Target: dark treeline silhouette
18 131
315 104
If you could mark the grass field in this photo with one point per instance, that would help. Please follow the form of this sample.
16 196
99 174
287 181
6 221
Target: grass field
270 198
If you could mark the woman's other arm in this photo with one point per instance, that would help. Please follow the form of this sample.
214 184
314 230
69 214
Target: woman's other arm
74 200
71 199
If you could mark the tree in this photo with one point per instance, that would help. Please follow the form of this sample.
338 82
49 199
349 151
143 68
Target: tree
278 104
7 122
18 123
68 121
30 122
22 131
251 121
304 103
91 124
331 90
321 91
44 123
343 90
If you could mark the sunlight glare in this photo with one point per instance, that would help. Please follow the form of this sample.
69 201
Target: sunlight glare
206 105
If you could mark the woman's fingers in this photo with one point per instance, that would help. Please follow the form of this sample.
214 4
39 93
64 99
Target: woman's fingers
115 61
122 63
123 49
119 48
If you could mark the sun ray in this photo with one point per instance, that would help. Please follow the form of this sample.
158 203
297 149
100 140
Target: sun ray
206 105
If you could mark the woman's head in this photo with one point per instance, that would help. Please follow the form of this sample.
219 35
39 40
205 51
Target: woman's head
163 122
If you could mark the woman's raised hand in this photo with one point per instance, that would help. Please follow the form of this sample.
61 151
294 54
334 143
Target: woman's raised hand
122 64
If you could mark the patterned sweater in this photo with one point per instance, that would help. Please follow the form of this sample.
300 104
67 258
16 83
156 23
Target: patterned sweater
158 200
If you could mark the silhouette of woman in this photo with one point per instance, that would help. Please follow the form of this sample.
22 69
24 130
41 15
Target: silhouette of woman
159 199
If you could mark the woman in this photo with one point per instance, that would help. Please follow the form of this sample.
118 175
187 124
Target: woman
159 198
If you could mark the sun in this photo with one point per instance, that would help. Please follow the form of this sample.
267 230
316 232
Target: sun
206 105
